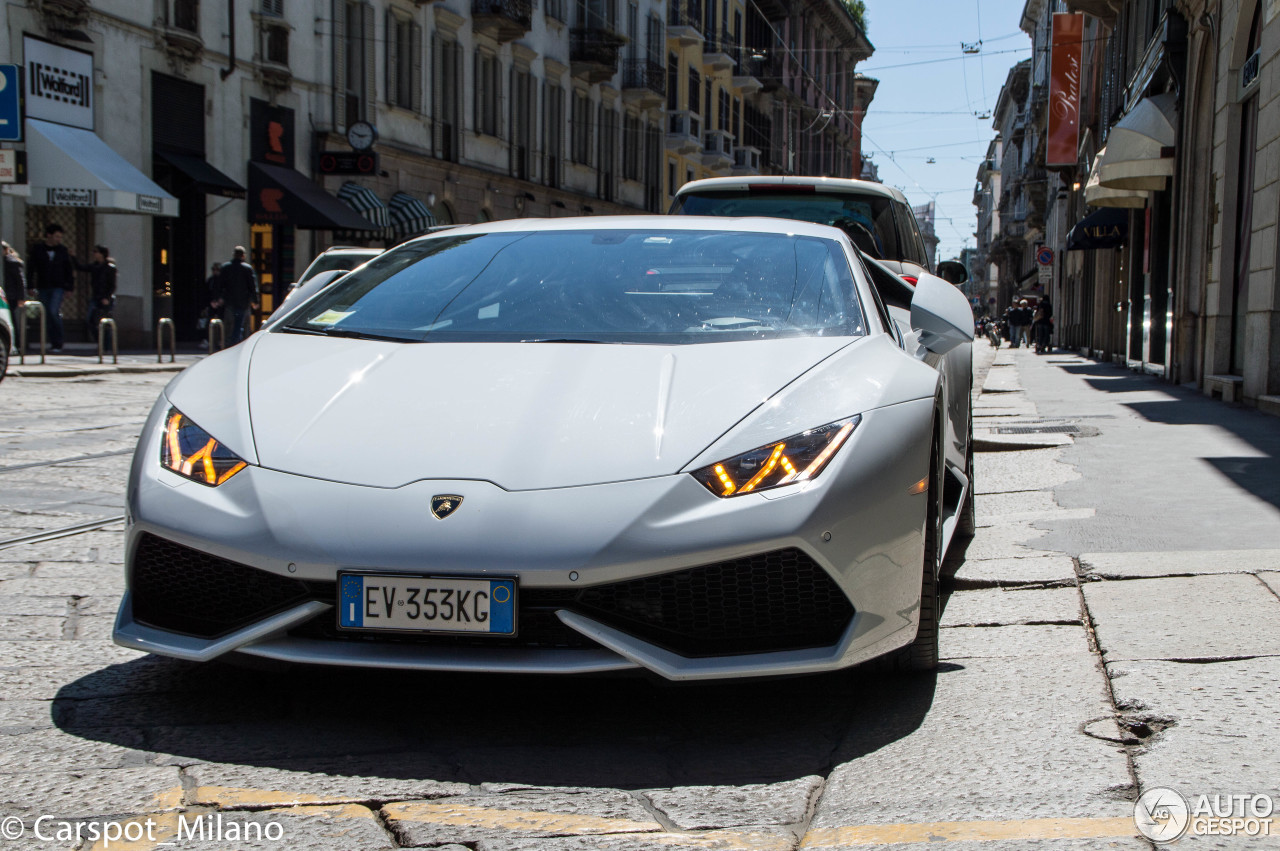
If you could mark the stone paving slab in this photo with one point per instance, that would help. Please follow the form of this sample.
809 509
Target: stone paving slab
1201 617
739 839
62 654
711 807
1006 541
1032 470
1272 581
1013 641
518 815
244 786
971 758
1032 570
24 715
1223 733
85 793
55 750
871 836
29 627
326 828
12 604
997 607
989 440
1181 563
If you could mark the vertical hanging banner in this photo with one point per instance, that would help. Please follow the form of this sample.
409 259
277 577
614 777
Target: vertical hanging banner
1064 89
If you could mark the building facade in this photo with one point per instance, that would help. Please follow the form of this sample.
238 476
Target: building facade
1165 227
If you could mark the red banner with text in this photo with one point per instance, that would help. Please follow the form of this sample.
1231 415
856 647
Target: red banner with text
1064 90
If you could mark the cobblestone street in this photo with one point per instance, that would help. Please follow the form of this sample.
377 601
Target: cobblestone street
1113 627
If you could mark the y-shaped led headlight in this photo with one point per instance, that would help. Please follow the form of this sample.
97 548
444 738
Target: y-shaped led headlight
796 459
190 451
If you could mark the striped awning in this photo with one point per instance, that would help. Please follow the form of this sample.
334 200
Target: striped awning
366 203
409 216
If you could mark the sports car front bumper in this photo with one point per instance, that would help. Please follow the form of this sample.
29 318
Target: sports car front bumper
856 529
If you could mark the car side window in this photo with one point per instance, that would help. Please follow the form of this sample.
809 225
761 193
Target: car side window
912 241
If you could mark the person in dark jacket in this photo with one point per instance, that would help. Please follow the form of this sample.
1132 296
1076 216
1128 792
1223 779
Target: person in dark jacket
102 287
15 279
1043 325
237 290
53 273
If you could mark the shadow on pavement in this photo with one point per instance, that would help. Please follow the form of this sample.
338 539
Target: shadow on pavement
1113 379
619 732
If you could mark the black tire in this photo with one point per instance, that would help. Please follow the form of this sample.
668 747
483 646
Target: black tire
967 522
4 355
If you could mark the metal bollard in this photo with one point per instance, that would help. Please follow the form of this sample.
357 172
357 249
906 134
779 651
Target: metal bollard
115 345
22 330
161 324
222 334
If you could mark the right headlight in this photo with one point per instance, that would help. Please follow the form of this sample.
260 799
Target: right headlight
193 453
797 459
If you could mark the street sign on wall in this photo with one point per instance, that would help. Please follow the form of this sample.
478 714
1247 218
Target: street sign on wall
1044 255
1064 90
10 103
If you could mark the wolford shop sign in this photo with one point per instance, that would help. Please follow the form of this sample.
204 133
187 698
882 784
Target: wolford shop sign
1064 90
59 83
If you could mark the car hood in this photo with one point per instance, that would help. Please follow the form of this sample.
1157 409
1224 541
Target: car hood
524 416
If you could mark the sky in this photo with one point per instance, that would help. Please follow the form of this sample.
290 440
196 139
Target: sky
930 96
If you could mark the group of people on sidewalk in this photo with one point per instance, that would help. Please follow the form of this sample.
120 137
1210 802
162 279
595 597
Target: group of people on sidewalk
1022 325
49 273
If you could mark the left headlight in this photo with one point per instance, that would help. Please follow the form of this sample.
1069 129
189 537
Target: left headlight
784 462
192 452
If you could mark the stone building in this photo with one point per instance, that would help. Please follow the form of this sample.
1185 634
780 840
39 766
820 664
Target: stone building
1165 228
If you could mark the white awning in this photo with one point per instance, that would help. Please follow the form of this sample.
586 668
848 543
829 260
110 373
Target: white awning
71 167
1097 195
1139 152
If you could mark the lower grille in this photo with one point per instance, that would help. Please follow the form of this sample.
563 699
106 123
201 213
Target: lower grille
780 600
179 589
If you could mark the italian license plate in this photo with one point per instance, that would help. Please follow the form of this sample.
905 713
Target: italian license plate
447 604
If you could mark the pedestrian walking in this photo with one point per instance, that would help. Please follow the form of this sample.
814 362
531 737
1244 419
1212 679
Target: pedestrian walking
52 271
1020 324
237 290
15 278
102 287
1043 326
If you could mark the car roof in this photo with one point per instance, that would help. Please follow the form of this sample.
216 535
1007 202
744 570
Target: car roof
751 224
828 184
338 249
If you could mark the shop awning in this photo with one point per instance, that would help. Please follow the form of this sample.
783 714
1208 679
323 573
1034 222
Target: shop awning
409 216
203 176
73 167
1105 228
1139 152
279 195
1097 195
366 203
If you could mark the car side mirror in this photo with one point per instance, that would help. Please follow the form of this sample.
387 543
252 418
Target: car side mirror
953 272
941 314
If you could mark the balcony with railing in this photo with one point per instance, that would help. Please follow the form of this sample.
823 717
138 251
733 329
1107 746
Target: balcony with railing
717 149
746 160
593 53
719 51
684 132
502 20
684 22
644 83
749 69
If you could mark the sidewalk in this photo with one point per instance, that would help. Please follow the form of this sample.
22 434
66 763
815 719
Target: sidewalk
1154 520
80 359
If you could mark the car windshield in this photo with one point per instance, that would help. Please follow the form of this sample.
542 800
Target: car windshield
867 219
594 286
344 260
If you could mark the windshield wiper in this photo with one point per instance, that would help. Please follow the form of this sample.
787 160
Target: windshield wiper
364 335
559 340
290 329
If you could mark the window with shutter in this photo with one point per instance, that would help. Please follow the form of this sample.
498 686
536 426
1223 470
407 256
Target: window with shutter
415 67
369 80
393 60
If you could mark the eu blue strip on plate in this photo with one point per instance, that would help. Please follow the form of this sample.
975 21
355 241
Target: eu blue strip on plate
349 600
502 609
